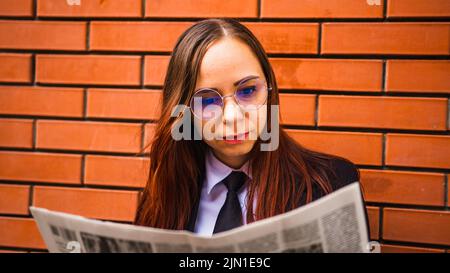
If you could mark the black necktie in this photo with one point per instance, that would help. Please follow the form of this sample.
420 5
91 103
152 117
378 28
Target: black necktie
230 215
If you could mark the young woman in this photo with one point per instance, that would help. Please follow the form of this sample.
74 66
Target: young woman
211 185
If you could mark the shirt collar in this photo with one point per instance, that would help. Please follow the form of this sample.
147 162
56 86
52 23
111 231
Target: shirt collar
216 170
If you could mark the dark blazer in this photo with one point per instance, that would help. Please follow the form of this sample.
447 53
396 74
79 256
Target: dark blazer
346 173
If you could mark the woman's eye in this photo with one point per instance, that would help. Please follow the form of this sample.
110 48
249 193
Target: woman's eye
247 90
207 101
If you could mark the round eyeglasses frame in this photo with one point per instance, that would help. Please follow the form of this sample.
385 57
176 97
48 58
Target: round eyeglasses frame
268 88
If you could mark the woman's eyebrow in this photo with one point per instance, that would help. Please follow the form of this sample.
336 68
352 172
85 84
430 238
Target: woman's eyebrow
245 79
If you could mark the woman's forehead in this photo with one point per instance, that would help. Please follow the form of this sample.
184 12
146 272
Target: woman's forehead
228 57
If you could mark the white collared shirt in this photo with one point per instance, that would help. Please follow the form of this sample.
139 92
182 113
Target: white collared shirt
214 193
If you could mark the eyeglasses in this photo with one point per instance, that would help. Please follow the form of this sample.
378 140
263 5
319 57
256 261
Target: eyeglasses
249 95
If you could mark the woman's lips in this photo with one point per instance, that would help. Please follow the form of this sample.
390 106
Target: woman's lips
236 138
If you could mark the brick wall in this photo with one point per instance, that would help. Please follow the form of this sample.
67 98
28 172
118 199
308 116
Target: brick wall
79 91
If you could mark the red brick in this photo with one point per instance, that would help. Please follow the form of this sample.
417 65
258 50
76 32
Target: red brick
40 167
91 8
448 190
328 74
202 8
149 133
41 101
15 67
159 36
421 226
386 38
320 9
121 103
383 112
88 136
11 251
321 74
361 148
287 37
16 7
42 35
373 213
116 205
385 248
296 109
116 171
418 76
418 150
403 187
88 69
14 199
418 8
20 232
155 69
16 133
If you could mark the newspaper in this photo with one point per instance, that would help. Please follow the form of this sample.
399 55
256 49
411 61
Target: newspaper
333 223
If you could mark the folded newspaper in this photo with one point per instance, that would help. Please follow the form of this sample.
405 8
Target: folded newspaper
334 223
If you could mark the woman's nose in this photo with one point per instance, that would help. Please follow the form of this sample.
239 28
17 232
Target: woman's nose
231 110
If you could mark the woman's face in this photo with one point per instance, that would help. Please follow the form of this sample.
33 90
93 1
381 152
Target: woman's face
226 62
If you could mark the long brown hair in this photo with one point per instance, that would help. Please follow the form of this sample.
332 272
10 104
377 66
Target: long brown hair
280 178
